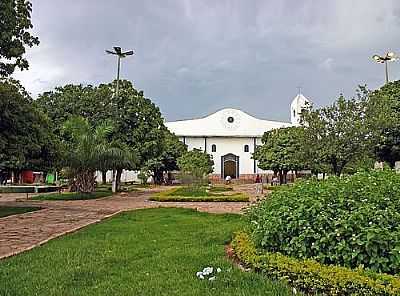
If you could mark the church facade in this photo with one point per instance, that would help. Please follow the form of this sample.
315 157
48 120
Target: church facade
231 136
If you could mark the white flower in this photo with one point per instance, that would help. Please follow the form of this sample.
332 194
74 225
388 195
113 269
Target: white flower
199 273
201 277
208 270
212 278
294 291
219 270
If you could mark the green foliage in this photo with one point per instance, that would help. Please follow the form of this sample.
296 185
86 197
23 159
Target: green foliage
172 149
89 149
15 16
196 191
137 122
8 211
221 198
26 138
312 277
383 110
350 221
196 163
336 135
281 151
72 196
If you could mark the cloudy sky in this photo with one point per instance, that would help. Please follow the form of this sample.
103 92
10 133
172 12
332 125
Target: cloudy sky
193 57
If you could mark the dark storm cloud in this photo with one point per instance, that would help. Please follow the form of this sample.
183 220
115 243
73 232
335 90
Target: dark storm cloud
193 57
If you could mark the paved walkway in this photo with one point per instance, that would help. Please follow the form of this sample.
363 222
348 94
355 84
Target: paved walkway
22 232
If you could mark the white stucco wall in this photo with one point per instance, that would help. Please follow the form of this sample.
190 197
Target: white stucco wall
226 145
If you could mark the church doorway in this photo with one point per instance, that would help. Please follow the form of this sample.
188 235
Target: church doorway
230 166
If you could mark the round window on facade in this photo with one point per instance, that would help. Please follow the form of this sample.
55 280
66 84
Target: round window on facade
231 119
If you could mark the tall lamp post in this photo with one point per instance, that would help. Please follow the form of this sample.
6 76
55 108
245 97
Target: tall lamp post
389 57
118 52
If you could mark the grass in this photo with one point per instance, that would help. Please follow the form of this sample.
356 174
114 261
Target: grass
72 196
144 252
199 193
8 211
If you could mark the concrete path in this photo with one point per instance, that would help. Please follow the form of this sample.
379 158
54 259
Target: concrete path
23 232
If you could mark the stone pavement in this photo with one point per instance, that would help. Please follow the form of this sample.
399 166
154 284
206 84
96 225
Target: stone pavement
19 233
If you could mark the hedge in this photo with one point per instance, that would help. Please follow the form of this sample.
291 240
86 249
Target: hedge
27 189
310 276
222 198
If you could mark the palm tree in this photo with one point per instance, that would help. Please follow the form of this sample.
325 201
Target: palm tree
90 149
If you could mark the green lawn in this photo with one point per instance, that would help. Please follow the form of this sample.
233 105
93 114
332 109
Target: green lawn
8 211
72 195
144 252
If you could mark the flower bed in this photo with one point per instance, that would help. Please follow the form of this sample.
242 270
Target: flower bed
193 194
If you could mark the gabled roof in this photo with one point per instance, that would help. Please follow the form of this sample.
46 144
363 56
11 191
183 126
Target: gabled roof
224 123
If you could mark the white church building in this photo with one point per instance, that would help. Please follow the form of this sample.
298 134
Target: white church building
231 136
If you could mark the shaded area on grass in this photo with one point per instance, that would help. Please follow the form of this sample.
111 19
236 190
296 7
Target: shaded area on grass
8 211
72 196
144 252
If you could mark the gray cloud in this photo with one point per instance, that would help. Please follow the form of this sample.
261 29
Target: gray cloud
193 57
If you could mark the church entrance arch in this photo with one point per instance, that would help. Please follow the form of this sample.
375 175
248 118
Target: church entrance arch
230 166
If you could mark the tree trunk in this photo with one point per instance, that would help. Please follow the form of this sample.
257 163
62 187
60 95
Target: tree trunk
158 177
85 182
104 177
118 179
280 178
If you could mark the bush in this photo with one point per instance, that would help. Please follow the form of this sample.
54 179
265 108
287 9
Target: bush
222 198
72 196
351 221
196 193
311 276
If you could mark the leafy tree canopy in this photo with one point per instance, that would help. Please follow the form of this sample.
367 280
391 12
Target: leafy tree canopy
281 151
26 138
15 16
196 163
337 134
383 113
137 121
172 149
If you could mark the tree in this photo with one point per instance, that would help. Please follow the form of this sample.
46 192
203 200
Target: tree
137 121
196 163
15 16
90 149
167 161
337 134
383 115
26 137
281 151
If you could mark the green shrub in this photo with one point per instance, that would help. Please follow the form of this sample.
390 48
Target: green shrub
72 196
312 277
221 198
350 221
26 189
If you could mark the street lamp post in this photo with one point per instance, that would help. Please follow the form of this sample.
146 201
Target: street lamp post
389 57
118 52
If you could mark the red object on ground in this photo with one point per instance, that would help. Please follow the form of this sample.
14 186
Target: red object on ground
27 177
